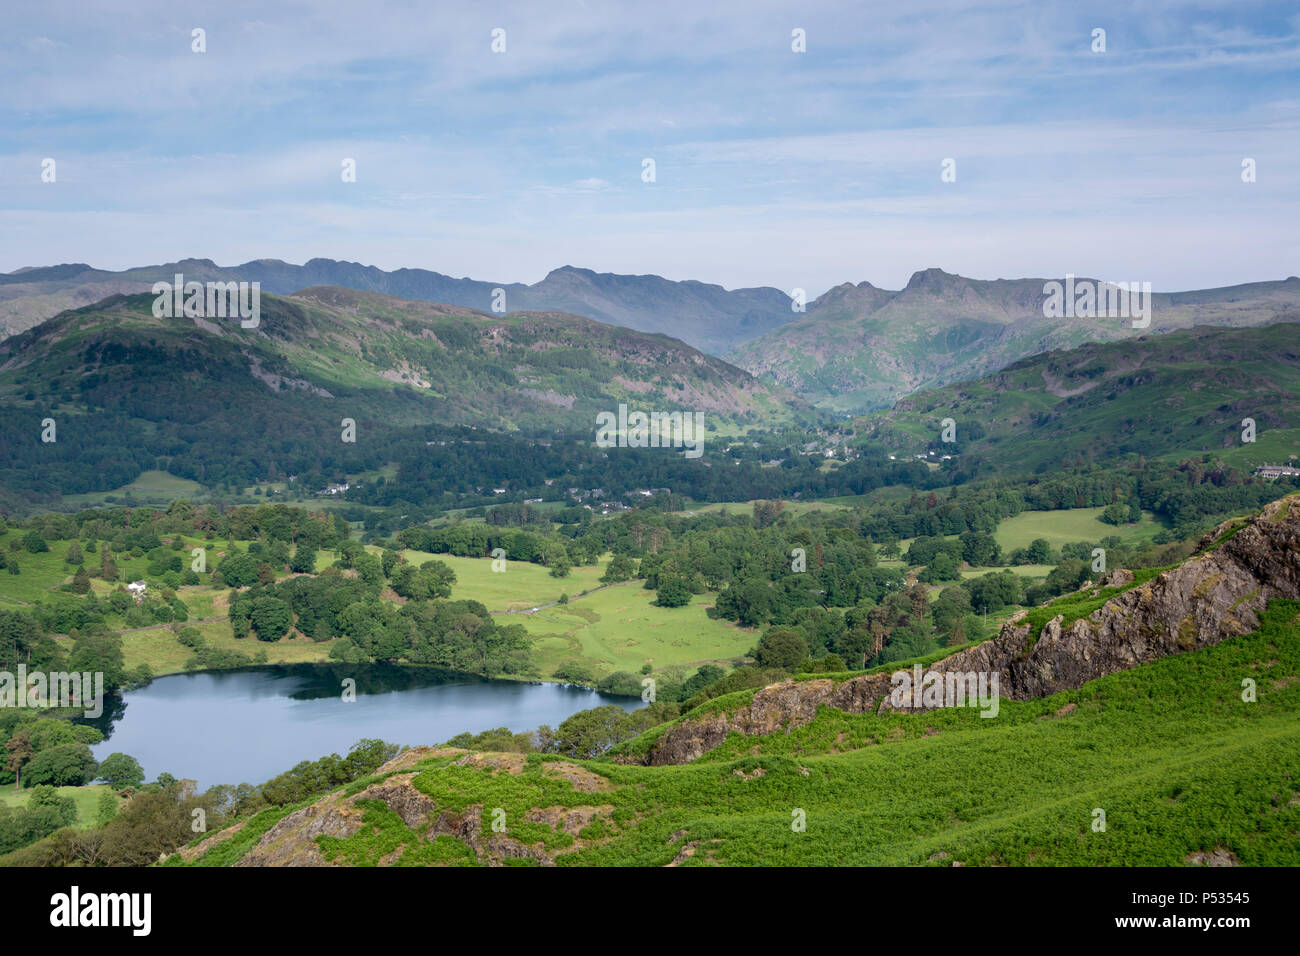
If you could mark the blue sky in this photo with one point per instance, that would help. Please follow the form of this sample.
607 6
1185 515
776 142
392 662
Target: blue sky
772 167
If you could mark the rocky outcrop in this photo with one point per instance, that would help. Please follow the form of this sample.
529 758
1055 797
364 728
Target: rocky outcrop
293 840
1215 595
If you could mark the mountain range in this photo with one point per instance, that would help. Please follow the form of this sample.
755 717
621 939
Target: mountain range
706 316
856 348
860 348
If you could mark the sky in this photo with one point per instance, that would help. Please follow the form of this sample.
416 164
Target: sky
771 166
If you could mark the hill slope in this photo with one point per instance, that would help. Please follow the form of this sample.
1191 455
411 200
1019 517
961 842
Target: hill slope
1183 766
860 347
1183 393
127 389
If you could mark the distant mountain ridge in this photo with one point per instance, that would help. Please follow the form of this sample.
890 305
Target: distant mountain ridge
860 348
706 316
857 347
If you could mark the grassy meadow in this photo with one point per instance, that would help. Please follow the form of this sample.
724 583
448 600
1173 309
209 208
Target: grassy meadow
620 628
1066 527
86 798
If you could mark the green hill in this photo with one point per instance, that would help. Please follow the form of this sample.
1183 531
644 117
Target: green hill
205 398
1185 393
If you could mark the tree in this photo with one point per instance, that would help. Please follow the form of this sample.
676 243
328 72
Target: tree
707 674
574 671
589 733
67 765
782 648
81 581
65 808
952 603
271 618
1040 552
304 560
107 808
369 569
20 752
121 771
99 651
433 579
621 568
74 555
994 591
150 825
748 602
239 570
979 550
942 568
856 645
107 566
34 543
673 592
1066 576
1117 513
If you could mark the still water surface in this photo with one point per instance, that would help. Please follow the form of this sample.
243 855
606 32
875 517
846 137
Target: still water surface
248 725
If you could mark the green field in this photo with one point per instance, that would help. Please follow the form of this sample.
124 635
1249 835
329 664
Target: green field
151 488
790 506
1024 570
1066 527
86 798
520 586
620 628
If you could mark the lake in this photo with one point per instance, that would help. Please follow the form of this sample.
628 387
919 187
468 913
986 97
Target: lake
246 726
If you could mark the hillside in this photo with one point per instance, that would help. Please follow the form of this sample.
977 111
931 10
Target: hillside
706 316
1183 393
1126 704
859 347
127 389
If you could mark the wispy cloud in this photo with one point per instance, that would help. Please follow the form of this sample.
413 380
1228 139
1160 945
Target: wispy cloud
794 169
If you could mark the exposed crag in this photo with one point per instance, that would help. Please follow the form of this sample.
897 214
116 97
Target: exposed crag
1214 595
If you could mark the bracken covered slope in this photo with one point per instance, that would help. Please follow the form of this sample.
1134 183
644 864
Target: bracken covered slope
1145 719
